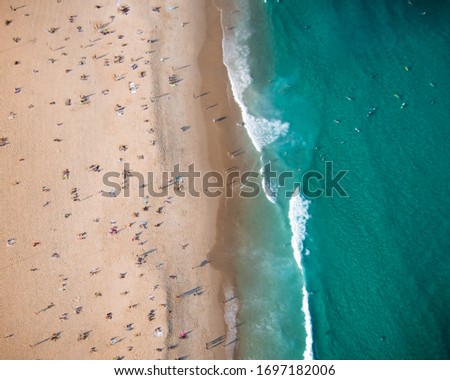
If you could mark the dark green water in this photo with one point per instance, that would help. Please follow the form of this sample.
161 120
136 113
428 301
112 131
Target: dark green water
376 263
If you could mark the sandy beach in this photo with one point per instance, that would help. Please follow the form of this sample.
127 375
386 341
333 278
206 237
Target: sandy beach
88 88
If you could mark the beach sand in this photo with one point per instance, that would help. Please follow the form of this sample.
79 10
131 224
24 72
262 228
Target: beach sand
89 276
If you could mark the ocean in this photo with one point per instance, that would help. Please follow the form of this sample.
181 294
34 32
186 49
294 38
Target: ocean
362 85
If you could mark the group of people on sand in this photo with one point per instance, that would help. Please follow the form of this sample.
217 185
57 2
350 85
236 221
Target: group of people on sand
113 230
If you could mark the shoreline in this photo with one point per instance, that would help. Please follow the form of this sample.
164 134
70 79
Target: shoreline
65 271
215 81
230 136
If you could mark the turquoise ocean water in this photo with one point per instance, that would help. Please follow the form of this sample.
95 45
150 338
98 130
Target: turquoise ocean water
365 85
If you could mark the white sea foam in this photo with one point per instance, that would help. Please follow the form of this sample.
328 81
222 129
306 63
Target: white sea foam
270 190
271 194
298 215
236 52
231 310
